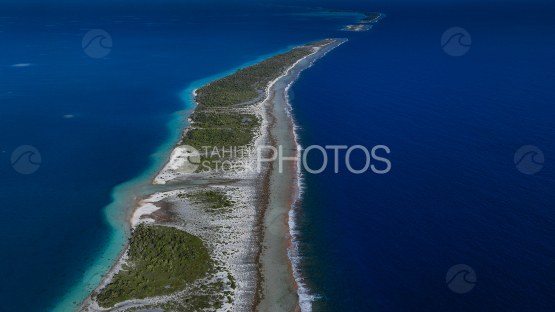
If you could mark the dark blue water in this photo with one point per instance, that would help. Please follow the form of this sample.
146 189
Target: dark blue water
56 238
453 196
382 242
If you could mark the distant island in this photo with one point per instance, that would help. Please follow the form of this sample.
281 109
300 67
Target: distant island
371 17
357 27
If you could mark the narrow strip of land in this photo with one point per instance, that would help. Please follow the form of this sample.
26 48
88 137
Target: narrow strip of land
200 247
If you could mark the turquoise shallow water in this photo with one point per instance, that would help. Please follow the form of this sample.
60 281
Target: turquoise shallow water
64 224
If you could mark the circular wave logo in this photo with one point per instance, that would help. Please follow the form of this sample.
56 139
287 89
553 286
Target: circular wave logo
529 159
26 159
456 41
191 159
460 278
97 43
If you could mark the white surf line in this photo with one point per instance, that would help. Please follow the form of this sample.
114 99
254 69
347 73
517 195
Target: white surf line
305 298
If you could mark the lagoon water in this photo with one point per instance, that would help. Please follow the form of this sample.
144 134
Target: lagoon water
369 242
58 235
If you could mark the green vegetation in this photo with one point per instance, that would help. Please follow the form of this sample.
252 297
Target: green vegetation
231 280
219 119
213 200
320 43
243 85
223 130
216 122
202 298
162 260
196 303
216 137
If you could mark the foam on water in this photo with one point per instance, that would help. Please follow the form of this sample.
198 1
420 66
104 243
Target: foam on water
293 252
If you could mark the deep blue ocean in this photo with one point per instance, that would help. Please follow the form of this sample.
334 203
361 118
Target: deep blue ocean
369 242
453 195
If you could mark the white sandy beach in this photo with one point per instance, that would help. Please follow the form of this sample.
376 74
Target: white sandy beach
262 205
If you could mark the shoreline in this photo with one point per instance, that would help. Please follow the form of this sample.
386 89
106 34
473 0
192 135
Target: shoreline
286 191
249 184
